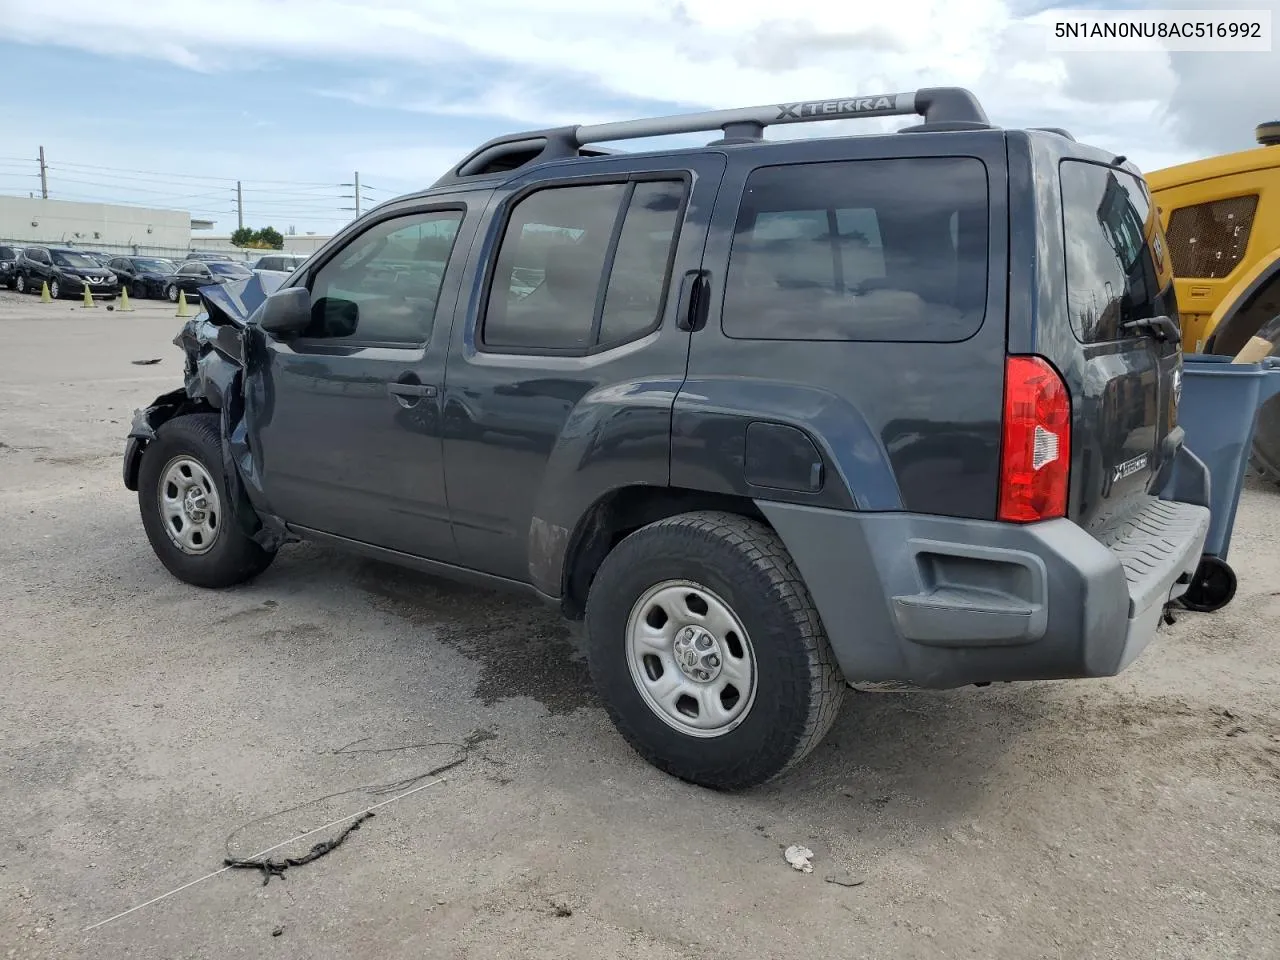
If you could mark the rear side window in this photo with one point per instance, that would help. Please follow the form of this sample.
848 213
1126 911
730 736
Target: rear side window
583 267
1208 240
6 253
860 250
1112 238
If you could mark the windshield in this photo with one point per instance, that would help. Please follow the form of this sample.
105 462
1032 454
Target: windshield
230 269
154 266
75 260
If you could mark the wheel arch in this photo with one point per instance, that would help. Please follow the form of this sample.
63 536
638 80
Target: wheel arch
1253 301
147 421
620 512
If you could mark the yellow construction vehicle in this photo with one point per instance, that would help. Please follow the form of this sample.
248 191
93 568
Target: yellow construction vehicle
1221 218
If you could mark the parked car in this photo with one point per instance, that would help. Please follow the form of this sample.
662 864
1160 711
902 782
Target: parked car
210 257
281 262
143 277
194 274
9 256
67 272
772 417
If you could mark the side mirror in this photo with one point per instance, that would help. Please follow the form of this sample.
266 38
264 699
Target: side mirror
286 312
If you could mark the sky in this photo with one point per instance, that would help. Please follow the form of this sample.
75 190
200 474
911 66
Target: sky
170 102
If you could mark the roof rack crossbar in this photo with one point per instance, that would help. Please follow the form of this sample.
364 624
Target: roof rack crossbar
939 106
935 104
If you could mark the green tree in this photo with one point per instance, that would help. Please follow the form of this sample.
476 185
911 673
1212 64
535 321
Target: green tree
243 237
270 237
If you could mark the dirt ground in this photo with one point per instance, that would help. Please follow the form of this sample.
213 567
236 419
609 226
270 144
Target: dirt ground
147 727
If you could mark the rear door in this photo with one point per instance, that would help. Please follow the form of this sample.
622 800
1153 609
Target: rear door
563 376
1123 311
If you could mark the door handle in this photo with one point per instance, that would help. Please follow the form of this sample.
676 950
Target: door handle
411 389
694 302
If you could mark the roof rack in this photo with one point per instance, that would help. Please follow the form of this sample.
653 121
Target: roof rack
942 108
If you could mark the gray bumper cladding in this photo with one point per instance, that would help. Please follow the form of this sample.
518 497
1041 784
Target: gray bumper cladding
941 602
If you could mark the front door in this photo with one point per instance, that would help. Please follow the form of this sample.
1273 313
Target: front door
349 435
561 380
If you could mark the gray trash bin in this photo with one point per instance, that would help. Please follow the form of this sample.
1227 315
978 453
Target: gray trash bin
1218 411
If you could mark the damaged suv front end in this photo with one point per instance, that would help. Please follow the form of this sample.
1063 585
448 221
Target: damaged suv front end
220 345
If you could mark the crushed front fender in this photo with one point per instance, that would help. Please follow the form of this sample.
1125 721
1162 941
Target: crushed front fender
216 344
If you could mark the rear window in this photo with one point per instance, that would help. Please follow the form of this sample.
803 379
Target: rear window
1113 239
860 250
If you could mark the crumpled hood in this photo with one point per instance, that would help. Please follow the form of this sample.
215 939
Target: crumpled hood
236 301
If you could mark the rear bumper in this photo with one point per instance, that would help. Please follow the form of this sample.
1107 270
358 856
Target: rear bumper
941 602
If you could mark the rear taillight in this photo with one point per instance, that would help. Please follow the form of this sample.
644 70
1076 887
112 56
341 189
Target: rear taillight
1035 457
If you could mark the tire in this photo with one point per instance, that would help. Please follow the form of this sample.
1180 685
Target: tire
1265 457
171 292
191 445
795 691
55 289
20 284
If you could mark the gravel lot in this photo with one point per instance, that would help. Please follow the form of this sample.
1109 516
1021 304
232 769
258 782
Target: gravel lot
143 722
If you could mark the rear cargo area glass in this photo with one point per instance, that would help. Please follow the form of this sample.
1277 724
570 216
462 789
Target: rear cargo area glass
892 249
1109 230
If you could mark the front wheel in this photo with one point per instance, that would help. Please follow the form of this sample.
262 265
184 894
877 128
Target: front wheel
708 652
55 289
20 284
183 499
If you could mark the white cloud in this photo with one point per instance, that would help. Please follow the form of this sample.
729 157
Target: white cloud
696 54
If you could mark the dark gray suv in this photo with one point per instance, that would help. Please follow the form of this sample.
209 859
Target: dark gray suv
774 417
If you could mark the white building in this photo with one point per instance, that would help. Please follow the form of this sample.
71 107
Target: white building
108 227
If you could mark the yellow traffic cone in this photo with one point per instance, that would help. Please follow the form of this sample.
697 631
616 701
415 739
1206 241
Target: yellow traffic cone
44 293
88 297
183 310
125 306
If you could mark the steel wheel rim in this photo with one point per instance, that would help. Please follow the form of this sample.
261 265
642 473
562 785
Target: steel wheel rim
691 659
189 505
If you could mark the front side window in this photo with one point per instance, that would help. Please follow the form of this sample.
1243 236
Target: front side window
582 267
383 286
1111 235
860 250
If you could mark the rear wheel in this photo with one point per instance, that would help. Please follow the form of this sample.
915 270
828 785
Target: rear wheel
183 498
171 291
708 651
20 284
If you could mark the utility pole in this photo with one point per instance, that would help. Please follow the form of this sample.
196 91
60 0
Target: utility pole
44 177
239 206
357 194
